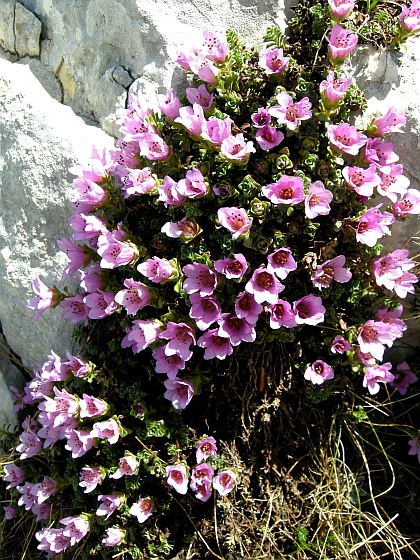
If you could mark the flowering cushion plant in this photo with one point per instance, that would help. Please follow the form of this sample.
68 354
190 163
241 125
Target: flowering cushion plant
232 215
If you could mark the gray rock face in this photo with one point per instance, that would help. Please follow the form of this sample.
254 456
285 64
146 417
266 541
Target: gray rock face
39 140
20 29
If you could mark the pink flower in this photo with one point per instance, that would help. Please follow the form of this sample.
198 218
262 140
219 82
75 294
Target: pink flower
268 137
340 9
101 304
332 269
78 366
261 119
319 372
403 284
234 220
176 476
193 186
281 262
92 406
415 447
141 335
88 194
76 527
272 61
153 147
169 104
309 310
224 482
26 499
192 118
287 190
363 181
14 475
169 364
403 378
392 121
135 297
41 511
113 536
341 43
317 201
366 359
52 540
179 392
373 335
141 181
215 346
216 130
142 509
379 153
282 315
184 229
375 375
373 225
78 442
44 299
201 478
236 329
109 429
109 504
340 345
205 449
43 490
200 278
75 309
232 268
30 445
78 256
393 182
86 226
203 67
9 512
169 194
180 336
247 308
90 477
203 490
333 89
346 138
289 113
264 286
205 310
114 251
128 466
214 45
386 270
409 204
235 148
410 19
201 96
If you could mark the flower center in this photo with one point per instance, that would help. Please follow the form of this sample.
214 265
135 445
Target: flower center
264 280
287 194
345 140
280 257
369 334
235 323
245 303
303 311
357 178
319 368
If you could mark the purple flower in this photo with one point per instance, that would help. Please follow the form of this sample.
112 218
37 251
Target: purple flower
109 429
201 96
100 304
14 475
287 190
409 204
216 130
169 104
264 286
341 43
30 445
203 490
205 310
269 137
127 466
346 138
272 61
141 335
169 194
393 182
109 504
113 536
247 308
215 346
403 284
403 378
9 512
114 251
52 540
201 478
142 509
135 297
289 113
179 392
205 449
235 147
26 499
317 201
236 329
232 268
180 336
43 490
386 270
363 181
319 372
410 19
379 153
78 442
44 299
185 229
224 482
153 147
333 89
90 477
41 511
340 345
86 226
203 67
76 527
309 310
78 256
330 270
92 406
140 181
281 262
415 447
373 225
176 476
193 186
156 269
375 375
340 9
192 118
75 309
261 119
373 335
392 121
282 315
200 278
169 364
234 220
78 366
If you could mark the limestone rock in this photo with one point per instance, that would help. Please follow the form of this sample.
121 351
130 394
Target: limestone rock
27 31
7 21
39 140
9 375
